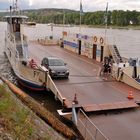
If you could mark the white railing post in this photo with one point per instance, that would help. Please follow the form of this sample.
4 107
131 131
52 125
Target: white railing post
74 115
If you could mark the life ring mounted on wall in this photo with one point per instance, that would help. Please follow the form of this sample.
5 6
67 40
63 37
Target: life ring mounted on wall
101 40
95 38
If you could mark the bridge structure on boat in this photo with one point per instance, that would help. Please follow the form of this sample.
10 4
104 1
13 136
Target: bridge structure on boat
93 93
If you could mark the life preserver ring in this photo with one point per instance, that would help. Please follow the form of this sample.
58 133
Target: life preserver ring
101 40
95 38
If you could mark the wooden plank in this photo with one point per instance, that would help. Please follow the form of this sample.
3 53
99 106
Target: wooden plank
109 106
92 107
132 104
119 105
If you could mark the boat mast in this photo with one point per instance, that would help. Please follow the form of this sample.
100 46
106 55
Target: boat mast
63 20
15 7
81 12
63 17
106 20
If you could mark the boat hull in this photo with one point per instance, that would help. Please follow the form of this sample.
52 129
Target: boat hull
31 86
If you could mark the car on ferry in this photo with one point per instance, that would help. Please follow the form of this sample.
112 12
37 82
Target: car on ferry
56 66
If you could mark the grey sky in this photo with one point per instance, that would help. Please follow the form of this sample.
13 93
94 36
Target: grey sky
88 5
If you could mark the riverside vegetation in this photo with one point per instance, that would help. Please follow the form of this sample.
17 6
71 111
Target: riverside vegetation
115 18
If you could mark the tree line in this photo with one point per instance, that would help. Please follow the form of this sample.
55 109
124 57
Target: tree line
60 16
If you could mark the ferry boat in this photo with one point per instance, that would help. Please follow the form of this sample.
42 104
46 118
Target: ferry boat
16 49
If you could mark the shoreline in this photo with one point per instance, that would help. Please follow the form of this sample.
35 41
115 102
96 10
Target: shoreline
99 26
20 121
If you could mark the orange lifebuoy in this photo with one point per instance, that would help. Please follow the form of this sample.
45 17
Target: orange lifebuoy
101 40
95 39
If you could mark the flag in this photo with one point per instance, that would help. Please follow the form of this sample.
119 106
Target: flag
106 13
81 8
106 7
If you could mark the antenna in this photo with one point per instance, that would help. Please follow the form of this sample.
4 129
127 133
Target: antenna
15 6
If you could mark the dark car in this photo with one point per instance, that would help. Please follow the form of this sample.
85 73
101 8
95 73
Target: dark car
56 67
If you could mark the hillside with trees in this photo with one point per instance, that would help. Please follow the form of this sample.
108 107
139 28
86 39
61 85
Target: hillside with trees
115 18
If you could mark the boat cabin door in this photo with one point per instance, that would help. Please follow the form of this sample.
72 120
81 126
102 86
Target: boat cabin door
94 51
102 51
79 47
16 24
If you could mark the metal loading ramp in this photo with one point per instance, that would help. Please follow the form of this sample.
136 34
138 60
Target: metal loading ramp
109 106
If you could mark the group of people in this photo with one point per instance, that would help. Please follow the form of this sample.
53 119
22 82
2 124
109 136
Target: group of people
32 63
106 68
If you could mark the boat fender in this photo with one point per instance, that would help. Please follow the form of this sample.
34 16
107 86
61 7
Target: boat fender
101 40
95 38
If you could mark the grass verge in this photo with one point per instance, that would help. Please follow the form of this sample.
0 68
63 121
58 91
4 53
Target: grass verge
18 122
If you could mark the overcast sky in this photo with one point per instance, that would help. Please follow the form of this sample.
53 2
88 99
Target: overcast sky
88 5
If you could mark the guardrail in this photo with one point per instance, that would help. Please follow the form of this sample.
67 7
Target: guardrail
51 85
88 129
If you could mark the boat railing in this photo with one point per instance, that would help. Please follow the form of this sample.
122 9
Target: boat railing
15 43
17 36
115 53
10 40
88 129
51 85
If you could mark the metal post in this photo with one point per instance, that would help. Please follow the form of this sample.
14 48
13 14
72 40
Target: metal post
96 134
74 115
